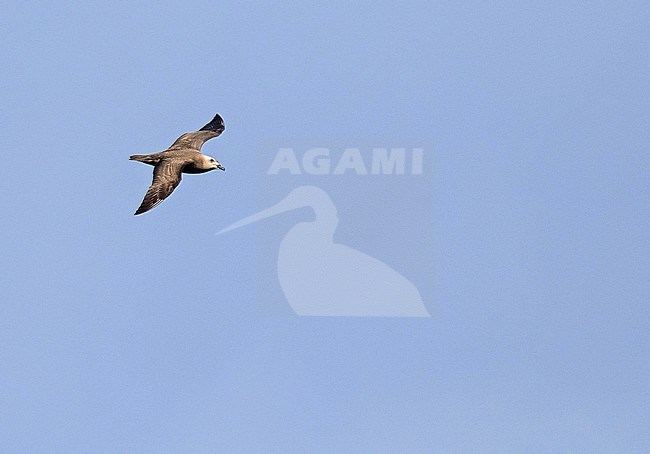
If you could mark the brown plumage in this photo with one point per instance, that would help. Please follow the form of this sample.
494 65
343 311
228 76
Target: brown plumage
183 156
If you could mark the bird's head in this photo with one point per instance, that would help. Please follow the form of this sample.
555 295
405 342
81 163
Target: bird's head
211 164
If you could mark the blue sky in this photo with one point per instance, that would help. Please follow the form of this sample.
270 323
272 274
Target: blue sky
151 334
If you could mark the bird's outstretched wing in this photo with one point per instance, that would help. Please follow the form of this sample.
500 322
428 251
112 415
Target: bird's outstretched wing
195 140
166 176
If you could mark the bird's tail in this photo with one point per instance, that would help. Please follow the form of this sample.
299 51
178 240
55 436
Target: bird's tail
146 158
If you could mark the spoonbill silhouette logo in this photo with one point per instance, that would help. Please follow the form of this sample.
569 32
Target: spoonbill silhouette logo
322 278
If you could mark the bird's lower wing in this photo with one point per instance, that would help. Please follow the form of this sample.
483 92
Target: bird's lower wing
166 176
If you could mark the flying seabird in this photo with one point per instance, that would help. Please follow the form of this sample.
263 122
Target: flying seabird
183 156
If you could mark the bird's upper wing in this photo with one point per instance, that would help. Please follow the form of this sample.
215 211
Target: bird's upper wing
166 176
195 140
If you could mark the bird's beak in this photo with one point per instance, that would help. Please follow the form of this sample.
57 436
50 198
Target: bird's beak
220 167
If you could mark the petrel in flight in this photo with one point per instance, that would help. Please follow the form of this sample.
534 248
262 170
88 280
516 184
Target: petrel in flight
183 156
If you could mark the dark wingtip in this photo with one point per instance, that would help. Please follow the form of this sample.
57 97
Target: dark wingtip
216 125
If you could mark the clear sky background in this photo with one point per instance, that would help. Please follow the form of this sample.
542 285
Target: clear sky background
143 334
